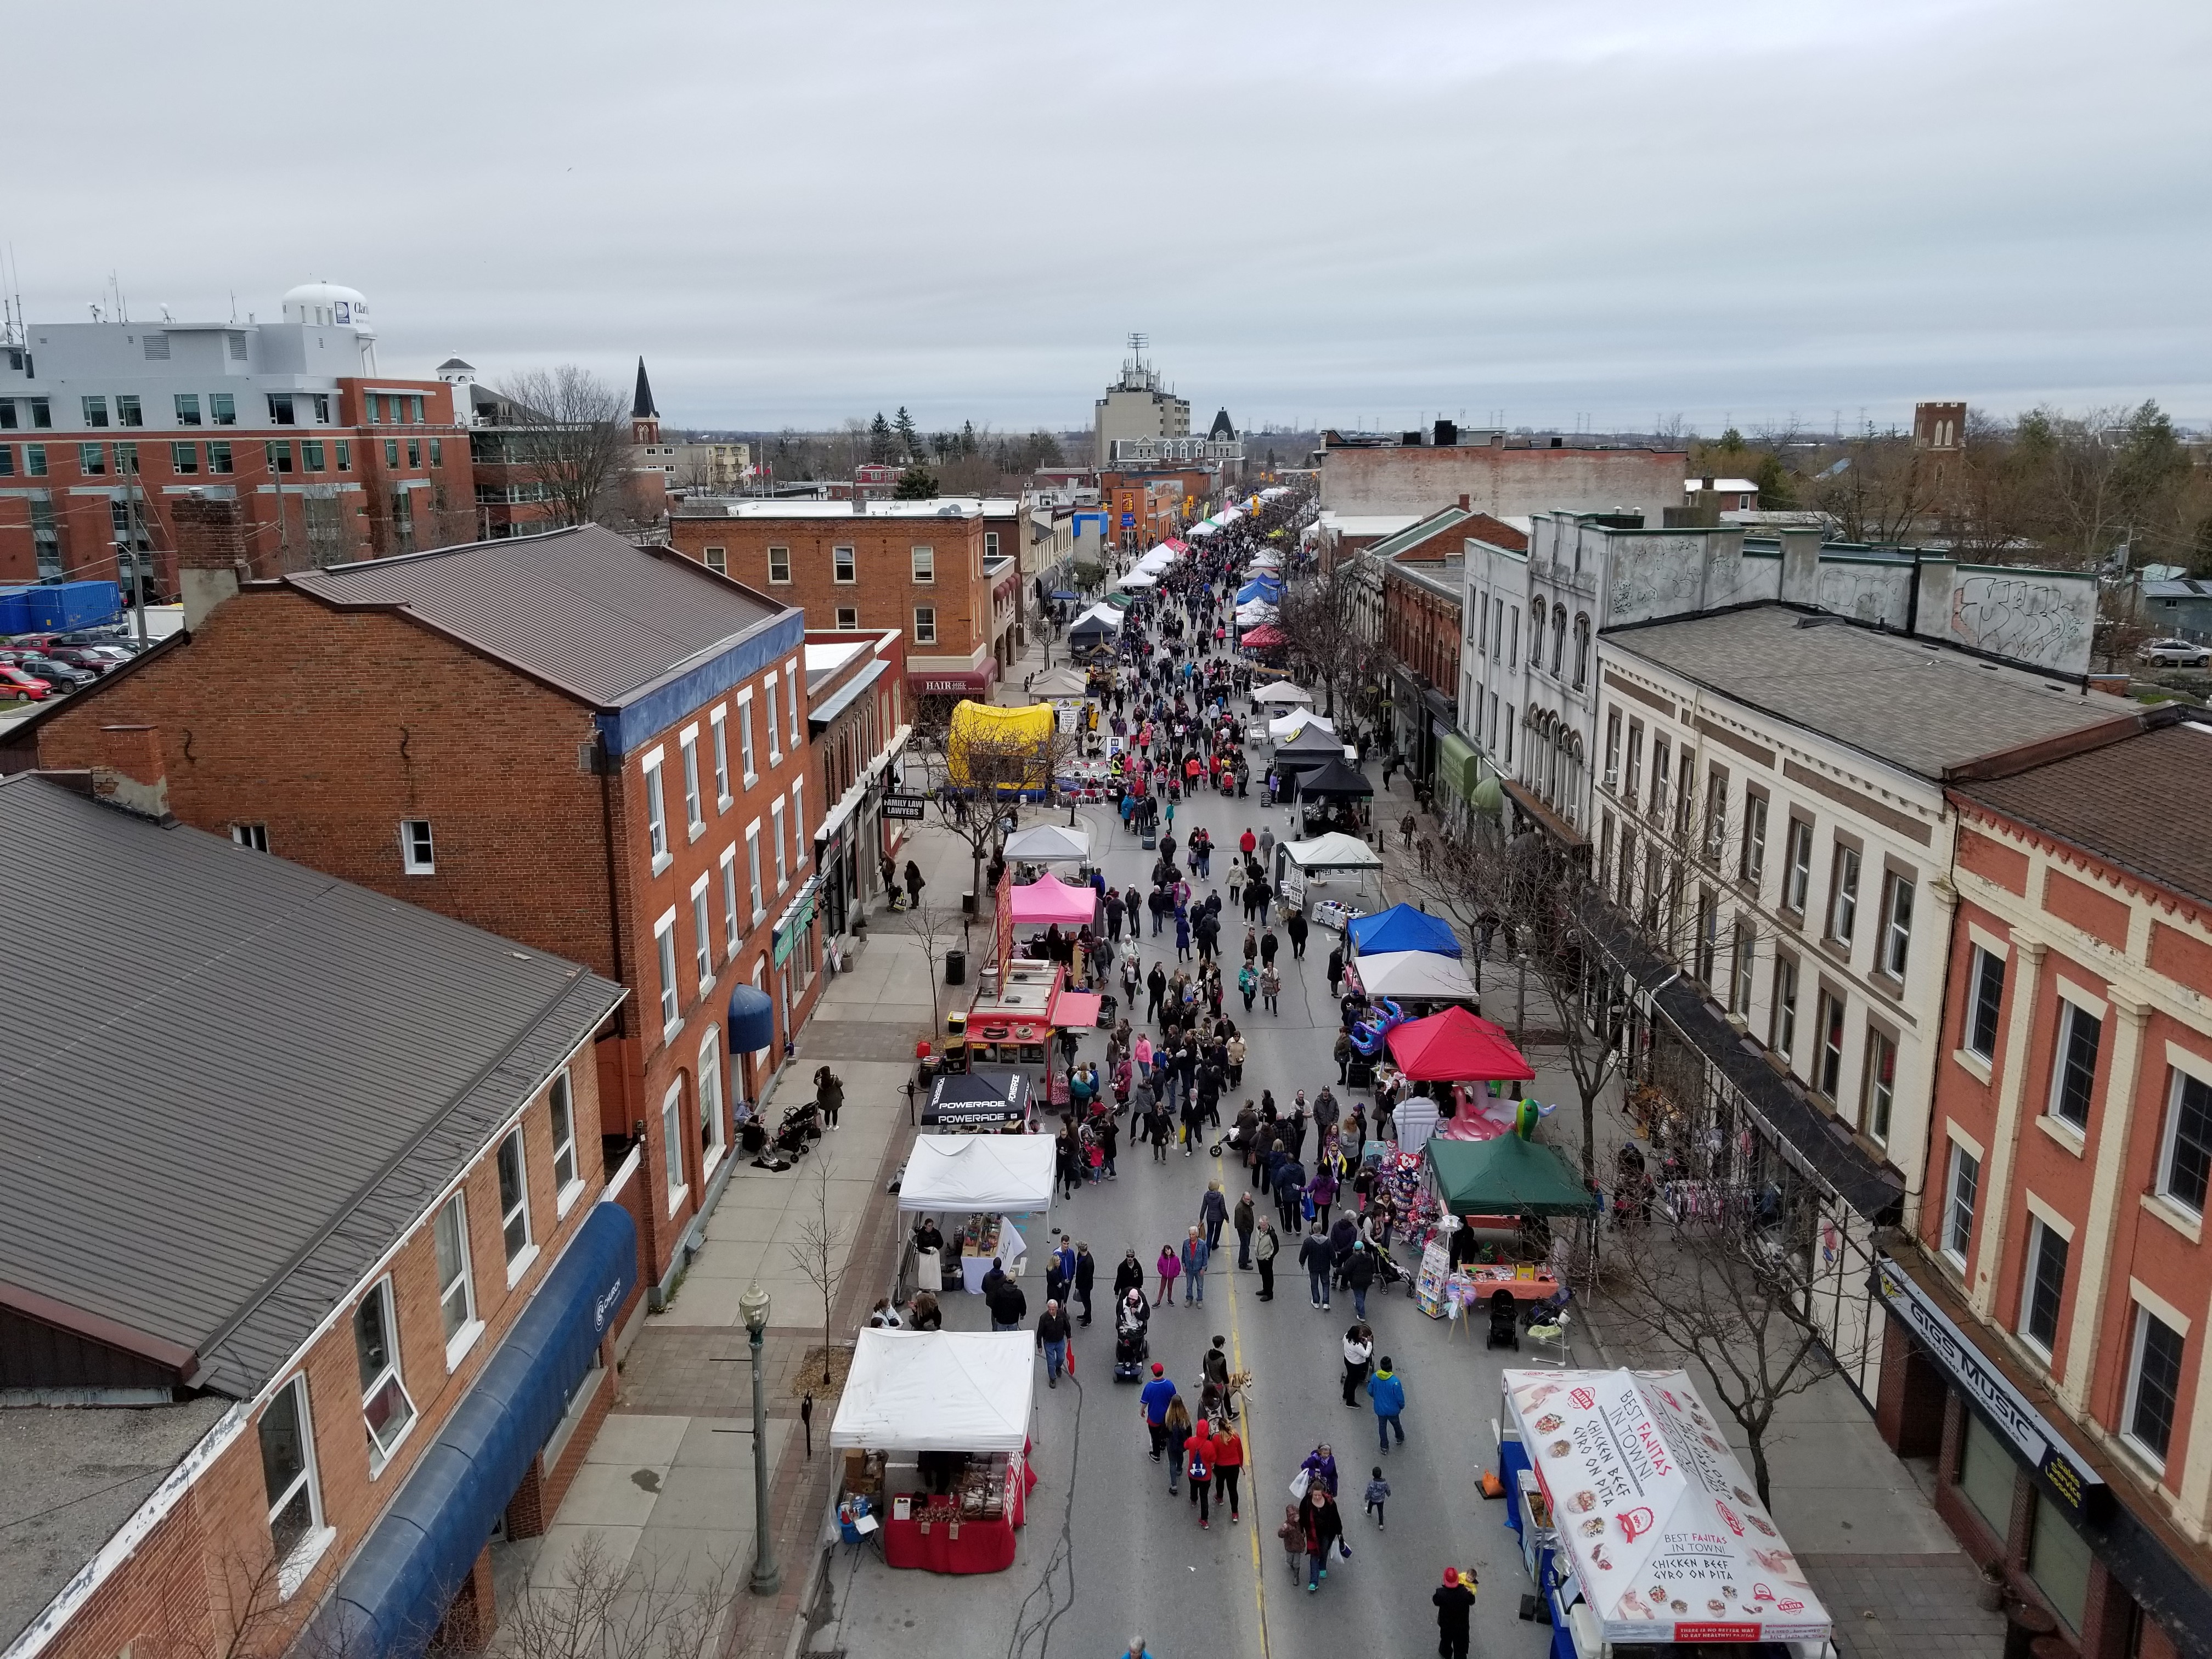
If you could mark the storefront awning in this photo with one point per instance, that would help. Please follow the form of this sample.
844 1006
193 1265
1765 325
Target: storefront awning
941 682
1550 822
1458 766
396 1590
1078 1010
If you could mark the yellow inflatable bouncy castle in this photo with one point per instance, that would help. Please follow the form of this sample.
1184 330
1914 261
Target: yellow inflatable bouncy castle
1006 750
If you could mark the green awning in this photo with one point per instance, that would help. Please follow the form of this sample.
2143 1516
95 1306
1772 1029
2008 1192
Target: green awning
1506 1176
1487 797
1457 764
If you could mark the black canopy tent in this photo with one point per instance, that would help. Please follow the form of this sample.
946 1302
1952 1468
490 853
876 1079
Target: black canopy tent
1335 779
977 1100
1311 750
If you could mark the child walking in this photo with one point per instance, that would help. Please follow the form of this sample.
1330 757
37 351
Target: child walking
1293 1535
1378 1494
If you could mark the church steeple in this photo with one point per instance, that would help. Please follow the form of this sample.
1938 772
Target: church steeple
644 419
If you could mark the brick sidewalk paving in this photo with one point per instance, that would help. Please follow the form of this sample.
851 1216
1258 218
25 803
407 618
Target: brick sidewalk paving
1902 1605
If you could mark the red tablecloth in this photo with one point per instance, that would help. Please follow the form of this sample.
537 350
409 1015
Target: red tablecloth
981 1546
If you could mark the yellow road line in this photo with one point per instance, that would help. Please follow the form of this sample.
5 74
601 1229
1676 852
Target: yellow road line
1251 1466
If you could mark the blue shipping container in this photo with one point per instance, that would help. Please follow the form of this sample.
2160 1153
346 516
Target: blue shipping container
15 613
63 606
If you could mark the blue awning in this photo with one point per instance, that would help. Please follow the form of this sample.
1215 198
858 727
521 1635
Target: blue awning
1401 927
395 1591
752 1020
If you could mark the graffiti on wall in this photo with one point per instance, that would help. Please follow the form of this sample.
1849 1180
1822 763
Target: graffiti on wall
1653 578
1732 578
1867 593
2026 616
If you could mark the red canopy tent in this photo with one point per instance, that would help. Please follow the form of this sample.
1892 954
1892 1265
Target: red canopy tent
1265 637
1457 1047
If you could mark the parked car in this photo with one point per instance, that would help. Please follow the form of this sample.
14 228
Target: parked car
15 682
60 675
2173 653
91 658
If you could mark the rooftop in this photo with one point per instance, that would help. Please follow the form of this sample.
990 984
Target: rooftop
583 610
284 1068
824 660
757 507
1923 708
1427 530
2122 802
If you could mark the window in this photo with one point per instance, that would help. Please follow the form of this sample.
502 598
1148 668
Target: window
321 401
1482 628
2154 1384
2187 1142
218 452
1965 1181
842 566
1581 651
34 460
1880 1085
1627 890
128 412
2074 1080
560 1107
1513 640
311 455
1797 873
391 453
1536 633
416 855
278 457
222 409
126 460
767 712
694 809
92 459
2045 1286
801 848
1559 640
925 564
415 409
457 1293
1662 758
280 409
1843 895
925 624
2059 1561
1984 998
753 864
1987 1473
188 408
848 617
95 411
672 1144
1633 785
702 948
718 560
776 835
1896 925
1830 1061
1717 791
729 901
183 457
344 456
779 565
990 543
514 1203
42 413
1782 1034
254 836
710 1099
1740 970
656 813
383 1402
791 702
1605 854
719 723
664 941
414 452
369 405
1613 748
745 737
1708 935
287 1470
7 453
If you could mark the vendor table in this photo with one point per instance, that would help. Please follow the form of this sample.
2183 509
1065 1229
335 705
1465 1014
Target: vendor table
1335 914
981 1546
1488 1281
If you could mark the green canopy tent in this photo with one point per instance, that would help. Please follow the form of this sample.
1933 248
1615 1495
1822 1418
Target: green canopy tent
1506 1176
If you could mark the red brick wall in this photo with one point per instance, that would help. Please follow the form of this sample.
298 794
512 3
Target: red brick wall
2100 914
1993 861
2181 958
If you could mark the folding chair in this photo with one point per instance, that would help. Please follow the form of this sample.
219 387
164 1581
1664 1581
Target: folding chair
1548 1342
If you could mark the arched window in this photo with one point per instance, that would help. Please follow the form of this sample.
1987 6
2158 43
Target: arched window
1558 639
1536 635
1581 650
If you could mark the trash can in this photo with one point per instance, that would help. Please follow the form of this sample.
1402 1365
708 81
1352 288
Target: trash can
2023 1625
956 967
967 903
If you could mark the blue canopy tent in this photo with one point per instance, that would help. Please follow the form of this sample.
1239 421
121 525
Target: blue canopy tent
1270 592
1401 927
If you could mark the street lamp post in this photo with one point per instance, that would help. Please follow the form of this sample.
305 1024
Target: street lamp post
767 1576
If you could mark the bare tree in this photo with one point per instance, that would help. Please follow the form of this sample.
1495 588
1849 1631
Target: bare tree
932 925
1878 488
568 433
978 778
598 1608
818 1252
1318 616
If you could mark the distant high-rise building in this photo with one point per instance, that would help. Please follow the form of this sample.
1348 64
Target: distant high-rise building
1138 406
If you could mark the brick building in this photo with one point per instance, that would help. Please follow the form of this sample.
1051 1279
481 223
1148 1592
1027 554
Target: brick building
1424 592
857 703
2047 1338
105 425
926 568
335 1293
595 748
1507 478
1143 509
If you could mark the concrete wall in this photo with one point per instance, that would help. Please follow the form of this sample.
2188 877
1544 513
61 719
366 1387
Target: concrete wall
1504 482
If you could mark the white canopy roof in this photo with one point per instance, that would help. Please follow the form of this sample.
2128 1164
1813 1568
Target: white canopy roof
987 1174
1203 527
1333 851
1156 562
1414 974
1136 578
1100 613
1282 691
1049 843
1257 611
1264 561
938 1391
1061 683
1680 1540
1289 725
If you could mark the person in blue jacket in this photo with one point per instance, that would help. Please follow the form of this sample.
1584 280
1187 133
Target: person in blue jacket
1388 1395
1153 1405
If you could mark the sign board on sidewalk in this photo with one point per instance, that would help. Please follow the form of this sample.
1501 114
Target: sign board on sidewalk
903 806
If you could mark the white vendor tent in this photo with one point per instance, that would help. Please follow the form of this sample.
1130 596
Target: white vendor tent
1282 691
1333 851
1250 616
1203 527
1419 973
1289 725
1049 843
1099 616
978 1174
1668 1541
937 1391
1132 580
1058 684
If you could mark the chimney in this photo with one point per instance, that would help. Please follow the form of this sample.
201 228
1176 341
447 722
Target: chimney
1467 503
210 554
130 772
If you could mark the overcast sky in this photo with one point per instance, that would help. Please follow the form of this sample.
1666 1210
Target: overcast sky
1341 214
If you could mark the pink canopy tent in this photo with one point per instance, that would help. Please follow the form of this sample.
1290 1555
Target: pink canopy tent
1456 1046
1048 899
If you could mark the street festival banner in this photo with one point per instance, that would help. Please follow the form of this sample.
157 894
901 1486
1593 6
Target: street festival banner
1668 1541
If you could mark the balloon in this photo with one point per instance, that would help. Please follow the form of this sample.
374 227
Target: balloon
1368 1034
1525 1116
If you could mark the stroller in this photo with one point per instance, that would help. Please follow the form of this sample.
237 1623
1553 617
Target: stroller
801 1126
1388 1273
1131 1348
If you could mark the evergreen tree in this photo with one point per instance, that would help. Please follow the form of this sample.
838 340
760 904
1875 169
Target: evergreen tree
910 440
967 445
879 440
916 483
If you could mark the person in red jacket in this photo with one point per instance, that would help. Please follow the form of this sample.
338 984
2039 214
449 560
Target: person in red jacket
1199 1466
1228 1467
